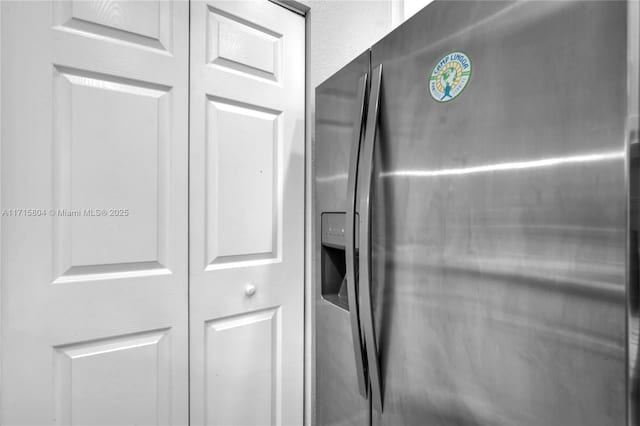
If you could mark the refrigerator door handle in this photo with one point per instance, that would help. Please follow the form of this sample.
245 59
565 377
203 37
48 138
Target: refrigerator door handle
350 243
364 193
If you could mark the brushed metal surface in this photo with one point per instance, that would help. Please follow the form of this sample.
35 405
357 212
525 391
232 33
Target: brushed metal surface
338 401
633 181
350 237
499 224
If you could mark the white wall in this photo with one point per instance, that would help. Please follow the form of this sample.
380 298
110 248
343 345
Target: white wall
338 30
410 7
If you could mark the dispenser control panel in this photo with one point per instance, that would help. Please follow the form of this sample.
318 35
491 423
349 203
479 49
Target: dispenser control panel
333 229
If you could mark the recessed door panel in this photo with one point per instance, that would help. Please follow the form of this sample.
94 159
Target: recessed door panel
145 23
243 355
242 146
95 146
246 182
110 212
242 45
134 17
118 381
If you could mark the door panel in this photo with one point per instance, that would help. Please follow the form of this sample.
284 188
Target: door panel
131 20
253 378
499 236
94 279
86 149
141 23
338 401
246 213
90 391
242 159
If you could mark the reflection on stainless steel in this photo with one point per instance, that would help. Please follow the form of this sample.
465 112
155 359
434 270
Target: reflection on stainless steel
499 233
504 242
515 165
332 178
492 12
338 401
633 251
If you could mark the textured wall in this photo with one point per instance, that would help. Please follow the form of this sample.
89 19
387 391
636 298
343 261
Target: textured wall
410 7
339 30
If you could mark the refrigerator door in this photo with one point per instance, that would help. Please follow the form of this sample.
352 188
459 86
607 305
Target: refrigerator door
339 381
499 215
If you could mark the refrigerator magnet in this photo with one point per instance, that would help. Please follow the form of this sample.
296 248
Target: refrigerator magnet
450 76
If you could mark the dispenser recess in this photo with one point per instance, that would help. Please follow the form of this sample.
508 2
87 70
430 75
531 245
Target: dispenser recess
333 259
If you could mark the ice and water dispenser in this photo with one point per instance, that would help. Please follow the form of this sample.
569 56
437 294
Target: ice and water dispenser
333 259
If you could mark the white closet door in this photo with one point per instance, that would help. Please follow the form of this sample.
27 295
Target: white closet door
246 213
94 297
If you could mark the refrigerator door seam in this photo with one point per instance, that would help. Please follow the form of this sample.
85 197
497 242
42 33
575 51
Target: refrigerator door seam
365 240
352 291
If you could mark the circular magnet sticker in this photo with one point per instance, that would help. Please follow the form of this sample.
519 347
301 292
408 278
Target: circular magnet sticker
449 76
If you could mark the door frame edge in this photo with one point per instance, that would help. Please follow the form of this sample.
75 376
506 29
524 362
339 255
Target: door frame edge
1 255
308 382
293 5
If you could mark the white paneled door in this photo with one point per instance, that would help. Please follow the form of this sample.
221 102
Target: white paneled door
122 197
246 213
94 212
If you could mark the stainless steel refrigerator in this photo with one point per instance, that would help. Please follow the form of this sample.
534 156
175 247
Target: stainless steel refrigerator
476 239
